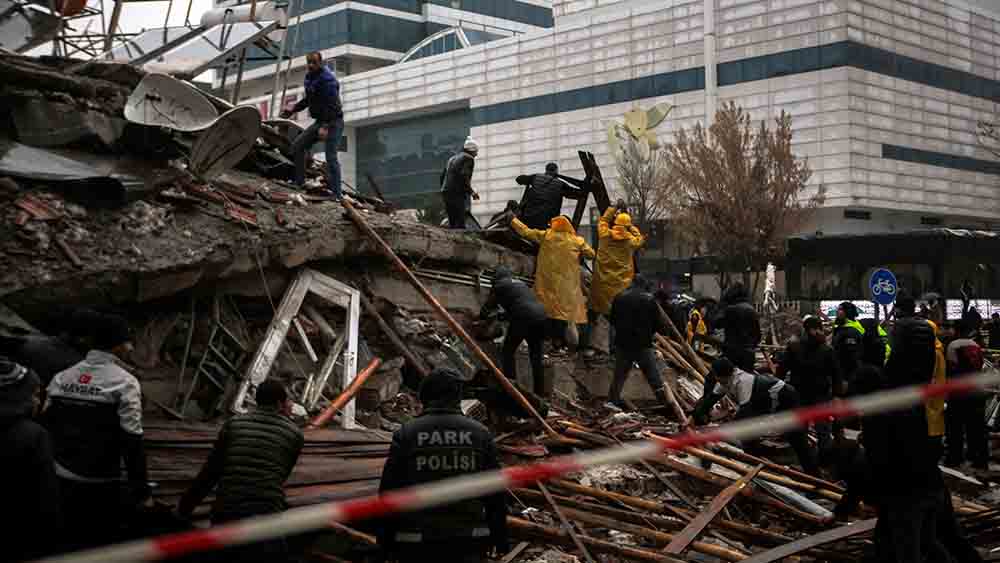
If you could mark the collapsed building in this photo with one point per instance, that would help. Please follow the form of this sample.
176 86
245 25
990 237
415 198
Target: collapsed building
136 193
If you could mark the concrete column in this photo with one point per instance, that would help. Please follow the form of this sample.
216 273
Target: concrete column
711 82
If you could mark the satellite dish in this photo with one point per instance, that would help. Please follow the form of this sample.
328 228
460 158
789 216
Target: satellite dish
224 144
163 101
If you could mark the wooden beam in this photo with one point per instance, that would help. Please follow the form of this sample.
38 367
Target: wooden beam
565 523
524 528
694 529
812 541
394 339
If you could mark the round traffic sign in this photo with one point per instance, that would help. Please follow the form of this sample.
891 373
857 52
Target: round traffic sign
883 286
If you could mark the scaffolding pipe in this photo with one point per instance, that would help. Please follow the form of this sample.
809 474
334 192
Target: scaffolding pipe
272 112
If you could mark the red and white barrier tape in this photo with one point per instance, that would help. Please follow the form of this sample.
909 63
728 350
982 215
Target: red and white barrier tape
310 518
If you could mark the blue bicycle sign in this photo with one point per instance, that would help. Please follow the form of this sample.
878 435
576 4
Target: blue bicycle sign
883 286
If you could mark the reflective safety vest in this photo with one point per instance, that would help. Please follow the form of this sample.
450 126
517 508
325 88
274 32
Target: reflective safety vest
882 334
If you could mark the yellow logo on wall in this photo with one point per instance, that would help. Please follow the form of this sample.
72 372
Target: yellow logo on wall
638 127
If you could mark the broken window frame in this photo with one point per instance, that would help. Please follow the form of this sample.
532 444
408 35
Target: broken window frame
334 292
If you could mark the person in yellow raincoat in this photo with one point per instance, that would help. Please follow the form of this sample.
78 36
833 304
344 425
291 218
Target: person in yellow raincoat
935 406
557 272
614 267
696 325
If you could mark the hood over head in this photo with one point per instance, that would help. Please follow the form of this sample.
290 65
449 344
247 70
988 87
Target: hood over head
562 224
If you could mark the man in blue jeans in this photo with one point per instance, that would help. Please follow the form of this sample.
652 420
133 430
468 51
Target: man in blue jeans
322 97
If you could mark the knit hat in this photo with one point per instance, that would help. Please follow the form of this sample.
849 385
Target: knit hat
471 145
442 386
723 367
17 389
811 322
111 331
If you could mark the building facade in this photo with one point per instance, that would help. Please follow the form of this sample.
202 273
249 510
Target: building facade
885 96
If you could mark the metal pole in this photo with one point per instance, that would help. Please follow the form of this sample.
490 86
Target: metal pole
386 250
116 14
271 111
239 76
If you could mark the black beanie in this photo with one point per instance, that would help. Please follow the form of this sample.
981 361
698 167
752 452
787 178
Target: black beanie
442 386
723 367
111 331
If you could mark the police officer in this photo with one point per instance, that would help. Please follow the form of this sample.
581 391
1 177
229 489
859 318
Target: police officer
439 444
847 336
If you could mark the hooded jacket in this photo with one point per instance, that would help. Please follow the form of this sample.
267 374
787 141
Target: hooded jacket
812 369
516 298
543 198
557 268
322 96
636 317
740 321
29 488
614 267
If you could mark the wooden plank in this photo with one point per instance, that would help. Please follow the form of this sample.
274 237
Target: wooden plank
698 524
565 523
812 541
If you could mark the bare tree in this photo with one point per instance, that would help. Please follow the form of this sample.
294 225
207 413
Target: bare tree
644 181
739 190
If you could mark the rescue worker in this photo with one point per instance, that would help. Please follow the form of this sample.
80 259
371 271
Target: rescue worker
614 266
557 273
902 457
935 406
322 97
848 462
252 458
543 196
456 184
696 326
636 318
755 394
966 422
526 318
742 328
847 336
438 444
30 489
810 365
94 414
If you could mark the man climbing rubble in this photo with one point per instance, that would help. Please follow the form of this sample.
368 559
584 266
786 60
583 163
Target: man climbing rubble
94 413
557 275
741 324
456 184
442 443
810 365
543 196
614 267
636 318
755 394
322 97
526 317
252 458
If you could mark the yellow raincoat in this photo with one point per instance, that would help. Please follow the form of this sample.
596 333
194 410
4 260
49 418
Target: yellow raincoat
557 268
613 269
696 325
935 407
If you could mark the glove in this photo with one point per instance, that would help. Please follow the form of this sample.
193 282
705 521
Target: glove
285 114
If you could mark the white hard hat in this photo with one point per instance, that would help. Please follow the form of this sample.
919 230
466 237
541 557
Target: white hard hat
471 145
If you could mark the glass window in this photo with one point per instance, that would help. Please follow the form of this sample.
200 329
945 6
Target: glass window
834 55
730 73
642 88
665 84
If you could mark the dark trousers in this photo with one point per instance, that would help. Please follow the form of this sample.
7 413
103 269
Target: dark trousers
587 336
304 143
454 206
624 358
534 333
950 533
94 513
965 424
907 530
824 428
555 330
789 399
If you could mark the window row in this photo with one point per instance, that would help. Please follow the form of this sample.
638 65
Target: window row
932 158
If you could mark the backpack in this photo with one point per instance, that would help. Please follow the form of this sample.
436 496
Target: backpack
873 343
969 359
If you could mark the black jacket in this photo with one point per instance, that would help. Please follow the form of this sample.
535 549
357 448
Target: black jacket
253 456
456 178
903 460
543 198
812 368
636 317
847 343
322 96
517 299
742 326
30 490
854 469
439 444
911 361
